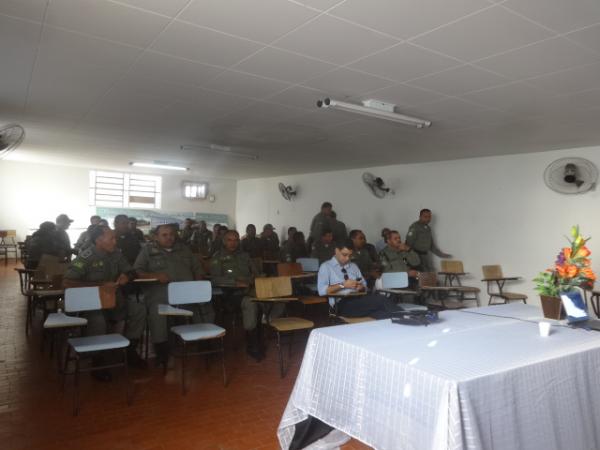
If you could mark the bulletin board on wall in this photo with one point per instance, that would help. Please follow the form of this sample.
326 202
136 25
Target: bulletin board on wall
151 218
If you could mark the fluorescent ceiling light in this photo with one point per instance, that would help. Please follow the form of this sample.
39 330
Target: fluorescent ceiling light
376 109
219 150
159 166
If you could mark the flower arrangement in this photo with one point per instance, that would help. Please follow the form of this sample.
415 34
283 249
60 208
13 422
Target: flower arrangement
572 268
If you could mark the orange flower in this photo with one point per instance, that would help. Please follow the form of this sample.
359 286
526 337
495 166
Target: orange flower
588 273
572 270
583 252
567 252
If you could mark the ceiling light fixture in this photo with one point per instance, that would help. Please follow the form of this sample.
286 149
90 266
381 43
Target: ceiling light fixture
376 109
157 165
219 150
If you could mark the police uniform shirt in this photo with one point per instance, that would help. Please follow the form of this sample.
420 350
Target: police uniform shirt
129 245
322 252
178 262
420 238
63 242
232 266
270 247
362 258
318 224
393 260
98 267
252 246
201 241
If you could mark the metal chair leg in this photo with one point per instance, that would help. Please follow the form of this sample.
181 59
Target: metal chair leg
223 361
183 391
76 387
280 352
65 367
128 393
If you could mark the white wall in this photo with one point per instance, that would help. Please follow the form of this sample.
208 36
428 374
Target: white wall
33 193
494 210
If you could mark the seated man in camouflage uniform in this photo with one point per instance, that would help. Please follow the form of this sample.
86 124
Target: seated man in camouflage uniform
363 258
167 260
103 264
251 244
230 267
399 257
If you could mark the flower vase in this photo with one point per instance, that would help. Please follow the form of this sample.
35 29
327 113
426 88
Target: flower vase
552 307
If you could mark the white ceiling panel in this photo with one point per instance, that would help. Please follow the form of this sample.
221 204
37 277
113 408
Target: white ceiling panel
405 62
106 20
559 15
347 83
205 46
18 44
262 21
497 30
25 9
282 65
67 90
406 18
299 97
572 80
167 7
75 48
403 95
450 110
174 70
334 40
460 80
537 59
319 4
517 98
246 85
589 37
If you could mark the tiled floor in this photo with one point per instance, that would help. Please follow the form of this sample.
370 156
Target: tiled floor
34 414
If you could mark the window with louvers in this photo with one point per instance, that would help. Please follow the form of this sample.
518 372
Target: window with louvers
125 190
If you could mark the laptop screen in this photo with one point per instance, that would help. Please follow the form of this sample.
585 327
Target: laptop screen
574 306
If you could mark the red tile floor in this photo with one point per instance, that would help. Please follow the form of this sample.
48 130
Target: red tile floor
35 414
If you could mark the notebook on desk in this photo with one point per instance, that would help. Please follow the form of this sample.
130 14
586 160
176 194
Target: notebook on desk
576 311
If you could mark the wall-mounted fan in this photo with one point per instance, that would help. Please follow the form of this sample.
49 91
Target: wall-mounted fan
287 192
11 137
571 175
376 185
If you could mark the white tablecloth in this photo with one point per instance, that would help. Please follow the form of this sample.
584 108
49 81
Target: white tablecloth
470 381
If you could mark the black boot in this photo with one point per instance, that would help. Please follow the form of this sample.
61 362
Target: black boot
162 353
133 359
252 345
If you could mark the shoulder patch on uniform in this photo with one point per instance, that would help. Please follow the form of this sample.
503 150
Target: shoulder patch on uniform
86 253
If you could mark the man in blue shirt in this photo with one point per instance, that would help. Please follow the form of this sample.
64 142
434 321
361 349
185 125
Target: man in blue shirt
338 276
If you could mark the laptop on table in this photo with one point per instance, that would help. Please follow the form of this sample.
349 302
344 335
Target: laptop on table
576 311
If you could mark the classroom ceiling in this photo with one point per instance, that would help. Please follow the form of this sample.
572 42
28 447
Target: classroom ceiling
100 83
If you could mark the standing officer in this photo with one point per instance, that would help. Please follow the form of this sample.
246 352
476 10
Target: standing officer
127 242
167 260
62 238
231 266
321 221
102 264
420 239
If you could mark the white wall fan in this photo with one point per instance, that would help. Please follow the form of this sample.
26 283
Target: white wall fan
571 176
11 136
287 192
376 185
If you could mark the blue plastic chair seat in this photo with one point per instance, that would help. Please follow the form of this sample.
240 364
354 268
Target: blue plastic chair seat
61 320
98 343
198 331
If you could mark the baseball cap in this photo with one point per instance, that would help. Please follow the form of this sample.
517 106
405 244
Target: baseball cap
63 218
268 227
